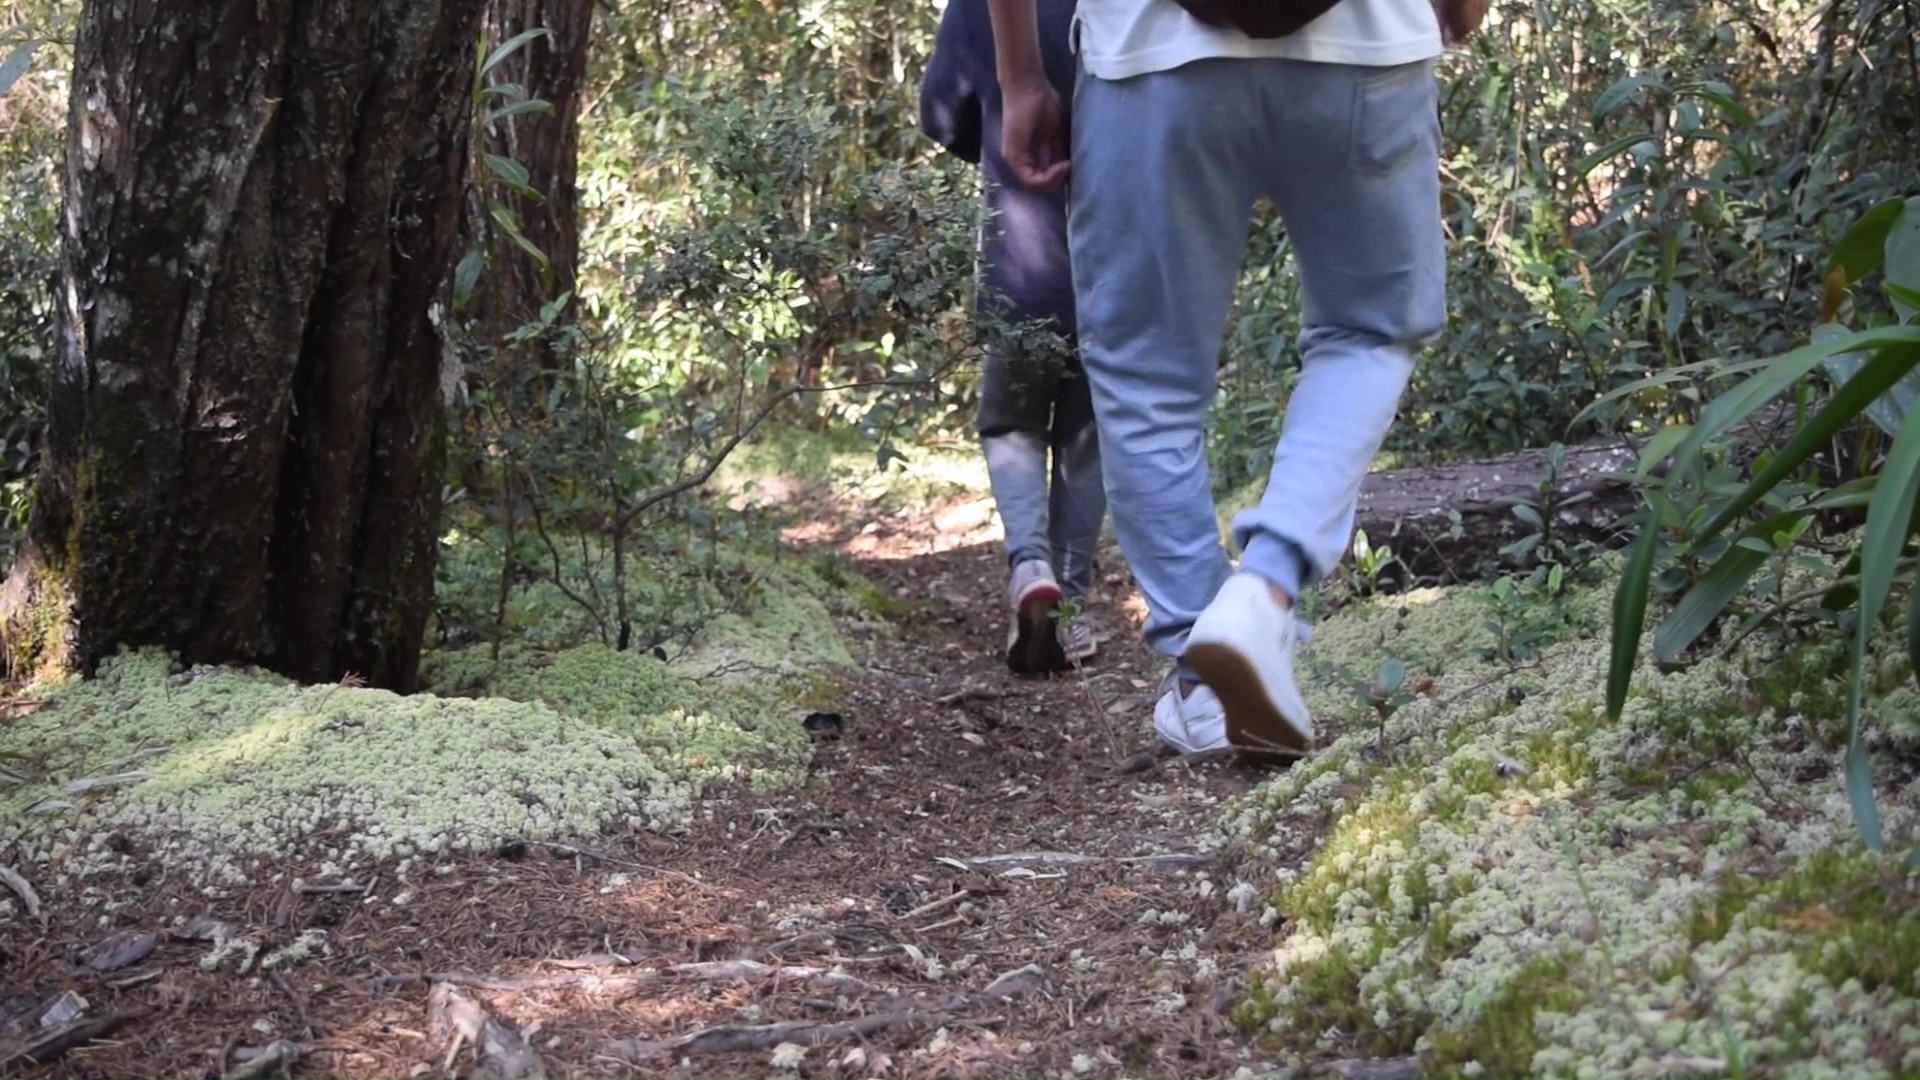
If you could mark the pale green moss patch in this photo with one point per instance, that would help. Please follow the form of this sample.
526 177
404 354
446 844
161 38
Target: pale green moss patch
227 771
221 772
1510 885
716 727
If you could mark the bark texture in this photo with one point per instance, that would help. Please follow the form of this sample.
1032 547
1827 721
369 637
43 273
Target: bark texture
246 426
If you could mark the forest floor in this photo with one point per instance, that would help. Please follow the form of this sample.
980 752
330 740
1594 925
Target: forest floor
983 876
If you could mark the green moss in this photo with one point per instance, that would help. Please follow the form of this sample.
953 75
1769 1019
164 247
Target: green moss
1531 889
718 727
1343 864
1503 1038
232 768
1858 915
834 571
1320 1000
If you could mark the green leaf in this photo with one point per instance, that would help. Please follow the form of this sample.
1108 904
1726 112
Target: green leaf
1607 153
1890 520
524 105
1659 447
1630 614
508 169
16 63
1866 815
1862 250
466 276
509 224
1708 597
1902 294
1881 372
1720 95
1889 523
512 45
1676 302
1392 675
513 174
1889 411
1620 93
1903 258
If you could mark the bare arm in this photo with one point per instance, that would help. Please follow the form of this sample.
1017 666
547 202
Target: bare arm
1016 44
1033 135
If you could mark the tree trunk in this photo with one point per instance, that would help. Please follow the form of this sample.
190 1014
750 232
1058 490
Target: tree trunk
551 68
247 424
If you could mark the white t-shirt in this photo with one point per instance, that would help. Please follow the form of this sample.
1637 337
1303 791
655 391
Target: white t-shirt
1119 39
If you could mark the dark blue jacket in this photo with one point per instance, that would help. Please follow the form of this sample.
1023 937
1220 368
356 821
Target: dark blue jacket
1023 246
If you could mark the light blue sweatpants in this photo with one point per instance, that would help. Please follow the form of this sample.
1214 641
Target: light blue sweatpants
1166 168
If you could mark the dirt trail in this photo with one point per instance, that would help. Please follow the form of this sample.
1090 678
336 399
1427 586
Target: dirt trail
894 910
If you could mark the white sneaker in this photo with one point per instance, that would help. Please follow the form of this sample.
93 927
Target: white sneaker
1190 724
1033 642
1076 641
1242 647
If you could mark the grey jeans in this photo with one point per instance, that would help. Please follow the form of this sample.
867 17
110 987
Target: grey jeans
1030 407
1166 168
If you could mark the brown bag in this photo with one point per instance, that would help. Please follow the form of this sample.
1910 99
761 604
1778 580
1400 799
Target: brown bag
1459 19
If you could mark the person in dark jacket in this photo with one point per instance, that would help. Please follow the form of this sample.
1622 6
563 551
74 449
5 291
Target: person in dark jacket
1033 399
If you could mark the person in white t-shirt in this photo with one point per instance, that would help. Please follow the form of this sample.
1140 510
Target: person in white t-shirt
1177 127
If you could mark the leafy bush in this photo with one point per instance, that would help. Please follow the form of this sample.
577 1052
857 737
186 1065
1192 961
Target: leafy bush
1695 507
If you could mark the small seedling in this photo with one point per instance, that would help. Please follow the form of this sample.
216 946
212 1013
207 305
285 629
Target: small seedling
1386 694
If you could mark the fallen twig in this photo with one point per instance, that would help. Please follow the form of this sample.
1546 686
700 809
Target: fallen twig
88 783
1170 861
628 982
750 1038
307 1029
457 1018
277 1058
972 693
930 907
941 925
51 1044
628 863
1400 1068
307 889
21 888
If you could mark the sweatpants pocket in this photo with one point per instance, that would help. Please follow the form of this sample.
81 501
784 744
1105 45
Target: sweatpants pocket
1395 114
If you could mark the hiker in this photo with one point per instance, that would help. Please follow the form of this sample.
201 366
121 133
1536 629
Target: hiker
1033 398
1178 126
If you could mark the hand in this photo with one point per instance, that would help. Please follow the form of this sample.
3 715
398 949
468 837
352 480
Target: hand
1034 136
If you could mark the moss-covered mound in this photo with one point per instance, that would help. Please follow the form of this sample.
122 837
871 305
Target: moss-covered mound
1506 884
228 774
221 771
706 727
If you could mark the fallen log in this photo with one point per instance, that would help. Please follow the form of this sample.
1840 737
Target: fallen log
1450 523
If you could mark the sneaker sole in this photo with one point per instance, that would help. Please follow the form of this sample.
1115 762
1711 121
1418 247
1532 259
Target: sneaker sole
1036 649
1254 723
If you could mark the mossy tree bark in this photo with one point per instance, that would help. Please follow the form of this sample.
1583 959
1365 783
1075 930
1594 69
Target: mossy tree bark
247 421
